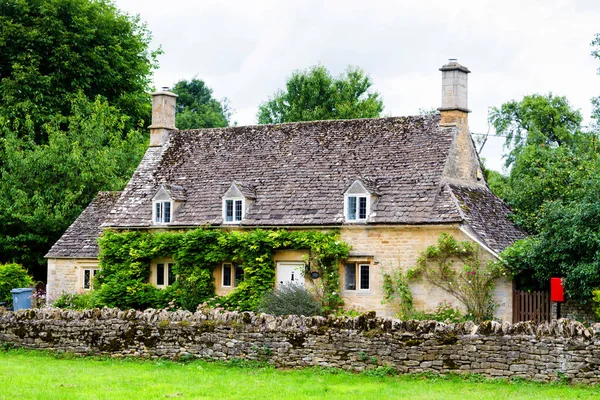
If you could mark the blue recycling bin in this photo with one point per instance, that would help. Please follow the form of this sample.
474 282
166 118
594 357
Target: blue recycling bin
21 298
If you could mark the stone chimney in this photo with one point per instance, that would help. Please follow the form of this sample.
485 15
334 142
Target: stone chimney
463 162
163 116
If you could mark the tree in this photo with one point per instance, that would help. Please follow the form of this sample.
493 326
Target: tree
44 187
551 157
196 108
314 94
567 246
539 120
54 49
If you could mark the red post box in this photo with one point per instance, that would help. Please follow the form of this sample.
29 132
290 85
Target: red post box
557 291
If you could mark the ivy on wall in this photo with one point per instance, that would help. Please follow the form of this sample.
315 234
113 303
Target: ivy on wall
125 260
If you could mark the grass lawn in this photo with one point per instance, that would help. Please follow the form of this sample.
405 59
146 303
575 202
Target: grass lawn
38 375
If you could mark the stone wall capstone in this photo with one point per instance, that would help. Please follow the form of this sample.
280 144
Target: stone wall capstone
557 350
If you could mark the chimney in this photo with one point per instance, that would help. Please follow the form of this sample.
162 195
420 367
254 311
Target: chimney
463 163
163 116
454 92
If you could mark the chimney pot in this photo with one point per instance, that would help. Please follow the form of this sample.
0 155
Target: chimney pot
454 87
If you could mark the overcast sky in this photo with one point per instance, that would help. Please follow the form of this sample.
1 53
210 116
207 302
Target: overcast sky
245 50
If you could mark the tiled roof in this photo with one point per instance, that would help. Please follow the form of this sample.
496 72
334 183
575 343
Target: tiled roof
79 241
298 172
486 215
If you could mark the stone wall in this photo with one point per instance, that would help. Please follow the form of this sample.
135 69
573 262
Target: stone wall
572 309
560 350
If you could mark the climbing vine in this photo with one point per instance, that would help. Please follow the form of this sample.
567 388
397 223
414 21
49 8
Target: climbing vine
125 261
397 289
472 284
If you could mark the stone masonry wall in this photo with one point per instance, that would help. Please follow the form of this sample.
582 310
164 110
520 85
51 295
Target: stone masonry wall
561 349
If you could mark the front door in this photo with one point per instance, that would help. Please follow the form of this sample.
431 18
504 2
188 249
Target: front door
290 273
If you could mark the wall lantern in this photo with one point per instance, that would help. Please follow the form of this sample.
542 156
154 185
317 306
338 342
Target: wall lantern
314 275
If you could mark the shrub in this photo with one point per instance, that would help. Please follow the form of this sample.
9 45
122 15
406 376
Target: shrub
444 312
289 299
77 301
12 276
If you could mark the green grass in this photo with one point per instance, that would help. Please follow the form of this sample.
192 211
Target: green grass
39 375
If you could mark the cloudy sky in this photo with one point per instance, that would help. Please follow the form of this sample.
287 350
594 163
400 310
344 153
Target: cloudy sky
245 50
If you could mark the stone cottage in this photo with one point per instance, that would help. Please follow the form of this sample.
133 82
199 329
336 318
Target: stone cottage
389 185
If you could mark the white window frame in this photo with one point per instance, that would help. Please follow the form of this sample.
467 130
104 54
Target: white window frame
154 273
159 218
358 274
243 210
93 272
233 267
357 207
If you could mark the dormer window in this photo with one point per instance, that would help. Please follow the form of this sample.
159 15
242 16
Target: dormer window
357 202
357 208
233 210
166 202
236 202
162 212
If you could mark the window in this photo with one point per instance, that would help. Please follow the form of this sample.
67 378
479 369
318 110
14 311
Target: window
233 210
357 276
88 276
162 212
164 274
231 274
356 208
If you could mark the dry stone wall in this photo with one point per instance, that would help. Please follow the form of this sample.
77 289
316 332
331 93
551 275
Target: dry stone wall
559 350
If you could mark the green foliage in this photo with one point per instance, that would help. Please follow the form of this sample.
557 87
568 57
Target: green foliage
196 108
567 246
125 258
53 49
12 276
396 287
313 94
289 299
77 301
596 303
551 158
445 312
536 120
471 283
43 188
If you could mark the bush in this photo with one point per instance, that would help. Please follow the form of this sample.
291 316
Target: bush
289 299
12 276
444 312
77 301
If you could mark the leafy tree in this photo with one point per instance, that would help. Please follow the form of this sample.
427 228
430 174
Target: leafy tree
540 120
196 108
43 188
567 245
54 49
314 94
550 156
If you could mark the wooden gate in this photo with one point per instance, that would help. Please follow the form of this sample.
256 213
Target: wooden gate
531 306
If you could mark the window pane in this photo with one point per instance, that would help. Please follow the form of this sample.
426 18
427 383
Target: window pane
238 210
362 208
96 272
86 278
350 277
226 274
239 274
228 210
157 211
167 211
352 208
160 274
364 276
171 274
